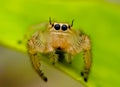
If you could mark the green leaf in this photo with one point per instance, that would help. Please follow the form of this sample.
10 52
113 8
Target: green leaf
101 21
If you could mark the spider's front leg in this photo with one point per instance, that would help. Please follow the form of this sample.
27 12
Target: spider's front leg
35 59
87 58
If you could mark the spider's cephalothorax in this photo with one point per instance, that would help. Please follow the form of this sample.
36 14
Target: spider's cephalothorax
58 40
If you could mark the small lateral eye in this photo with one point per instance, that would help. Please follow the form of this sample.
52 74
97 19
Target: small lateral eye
57 26
64 27
69 26
52 25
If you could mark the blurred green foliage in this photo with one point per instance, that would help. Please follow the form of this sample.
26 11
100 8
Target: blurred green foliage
99 19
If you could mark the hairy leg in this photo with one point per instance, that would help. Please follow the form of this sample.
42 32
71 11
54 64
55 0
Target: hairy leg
53 57
87 58
87 64
68 58
35 59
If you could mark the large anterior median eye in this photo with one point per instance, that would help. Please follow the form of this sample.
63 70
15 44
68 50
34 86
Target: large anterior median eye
57 26
64 27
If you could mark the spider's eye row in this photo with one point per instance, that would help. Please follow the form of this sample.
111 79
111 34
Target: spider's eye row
57 26
64 27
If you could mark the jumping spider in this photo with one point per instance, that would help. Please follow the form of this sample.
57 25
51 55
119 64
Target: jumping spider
56 40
